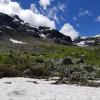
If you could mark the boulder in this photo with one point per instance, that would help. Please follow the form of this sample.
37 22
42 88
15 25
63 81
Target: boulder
67 61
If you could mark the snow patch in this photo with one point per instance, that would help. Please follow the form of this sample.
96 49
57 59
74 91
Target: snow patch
30 30
8 27
97 35
85 43
42 35
83 37
25 89
81 44
15 20
17 42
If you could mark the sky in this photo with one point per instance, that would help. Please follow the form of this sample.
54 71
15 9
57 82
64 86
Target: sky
71 17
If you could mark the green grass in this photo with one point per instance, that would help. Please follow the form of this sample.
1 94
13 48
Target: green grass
25 55
92 56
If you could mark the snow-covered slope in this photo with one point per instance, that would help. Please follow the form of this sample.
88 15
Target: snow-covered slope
98 35
16 41
81 44
87 41
35 89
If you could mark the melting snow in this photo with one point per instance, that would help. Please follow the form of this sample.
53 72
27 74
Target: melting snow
15 20
97 35
83 37
30 30
82 44
16 41
8 27
42 35
26 89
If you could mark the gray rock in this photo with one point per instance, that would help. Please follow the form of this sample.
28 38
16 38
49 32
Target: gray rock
67 61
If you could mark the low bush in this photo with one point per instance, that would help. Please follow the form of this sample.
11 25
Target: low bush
39 59
8 71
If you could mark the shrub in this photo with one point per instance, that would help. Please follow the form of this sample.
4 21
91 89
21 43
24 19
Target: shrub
39 59
98 73
89 68
8 71
67 61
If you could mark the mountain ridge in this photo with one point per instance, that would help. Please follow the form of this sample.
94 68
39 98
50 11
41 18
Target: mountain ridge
14 27
88 41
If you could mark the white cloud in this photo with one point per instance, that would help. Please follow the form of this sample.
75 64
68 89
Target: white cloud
97 19
62 7
29 16
52 14
77 25
74 18
84 13
34 8
69 30
45 3
36 19
5 1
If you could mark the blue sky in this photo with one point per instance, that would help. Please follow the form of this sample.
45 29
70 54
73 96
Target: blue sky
85 24
69 16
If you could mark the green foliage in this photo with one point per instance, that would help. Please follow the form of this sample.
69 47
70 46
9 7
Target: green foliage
7 70
89 68
38 60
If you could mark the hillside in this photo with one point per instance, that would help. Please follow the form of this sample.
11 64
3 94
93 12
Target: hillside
12 27
42 52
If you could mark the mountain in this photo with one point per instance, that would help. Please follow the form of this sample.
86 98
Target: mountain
29 51
14 30
88 41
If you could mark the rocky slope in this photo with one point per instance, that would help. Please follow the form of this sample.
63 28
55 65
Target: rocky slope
12 27
88 41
